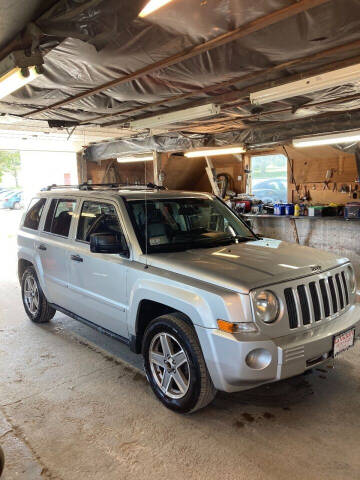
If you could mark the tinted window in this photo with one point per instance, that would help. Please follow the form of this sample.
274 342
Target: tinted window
97 217
33 215
50 215
183 223
59 217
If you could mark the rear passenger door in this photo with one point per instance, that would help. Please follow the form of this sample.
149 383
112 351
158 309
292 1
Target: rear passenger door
97 281
53 245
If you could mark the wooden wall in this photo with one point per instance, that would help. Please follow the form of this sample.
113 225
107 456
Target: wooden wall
309 169
310 166
121 172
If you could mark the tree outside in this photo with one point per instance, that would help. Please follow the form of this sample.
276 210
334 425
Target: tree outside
10 163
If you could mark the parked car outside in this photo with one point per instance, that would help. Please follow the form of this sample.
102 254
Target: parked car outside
12 200
271 190
181 279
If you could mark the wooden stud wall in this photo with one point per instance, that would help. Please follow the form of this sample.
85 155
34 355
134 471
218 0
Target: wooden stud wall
310 166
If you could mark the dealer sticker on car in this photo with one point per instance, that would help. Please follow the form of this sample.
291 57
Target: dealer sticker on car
344 341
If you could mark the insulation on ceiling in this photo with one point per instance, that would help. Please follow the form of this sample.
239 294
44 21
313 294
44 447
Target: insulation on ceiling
90 42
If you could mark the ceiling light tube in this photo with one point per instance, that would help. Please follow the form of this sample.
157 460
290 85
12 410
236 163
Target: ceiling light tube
176 117
146 158
211 152
15 79
316 83
331 139
152 6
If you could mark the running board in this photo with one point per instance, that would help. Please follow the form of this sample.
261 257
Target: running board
103 330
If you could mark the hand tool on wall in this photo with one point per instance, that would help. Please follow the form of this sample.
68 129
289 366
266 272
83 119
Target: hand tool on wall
328 176
357 161
355 192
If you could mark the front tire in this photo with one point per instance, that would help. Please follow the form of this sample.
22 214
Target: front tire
16 206
36 306
175 366
2 461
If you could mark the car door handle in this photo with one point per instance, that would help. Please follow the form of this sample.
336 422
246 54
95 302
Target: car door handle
76 258
41 247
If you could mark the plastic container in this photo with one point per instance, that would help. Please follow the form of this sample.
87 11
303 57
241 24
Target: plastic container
297 210
352 210
289 209
315 211
279 209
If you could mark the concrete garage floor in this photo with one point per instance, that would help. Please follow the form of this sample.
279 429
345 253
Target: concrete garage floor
75 405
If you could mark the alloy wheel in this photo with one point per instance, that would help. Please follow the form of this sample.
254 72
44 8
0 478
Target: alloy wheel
169 365
31 294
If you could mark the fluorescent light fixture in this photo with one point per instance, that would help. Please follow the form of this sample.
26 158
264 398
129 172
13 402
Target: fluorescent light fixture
152 6
146 158
15 79
176 117
331 139
211 152
316 83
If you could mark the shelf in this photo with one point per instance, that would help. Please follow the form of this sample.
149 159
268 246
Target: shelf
253 215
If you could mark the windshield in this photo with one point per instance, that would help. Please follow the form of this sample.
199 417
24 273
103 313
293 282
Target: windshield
183 223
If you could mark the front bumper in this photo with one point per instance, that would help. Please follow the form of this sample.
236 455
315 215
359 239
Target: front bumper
291 355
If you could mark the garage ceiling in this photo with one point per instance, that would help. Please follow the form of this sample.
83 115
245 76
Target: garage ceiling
105 66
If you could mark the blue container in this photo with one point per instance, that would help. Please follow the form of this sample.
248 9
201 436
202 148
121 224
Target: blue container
279 209
289 209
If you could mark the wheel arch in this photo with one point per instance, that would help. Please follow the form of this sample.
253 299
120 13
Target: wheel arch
23 264
147 311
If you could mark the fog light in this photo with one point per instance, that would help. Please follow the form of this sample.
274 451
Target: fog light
258 359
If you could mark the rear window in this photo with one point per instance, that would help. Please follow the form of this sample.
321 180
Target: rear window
59 216
34 213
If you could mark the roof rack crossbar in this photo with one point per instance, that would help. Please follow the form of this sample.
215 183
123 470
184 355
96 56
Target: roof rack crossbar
92 186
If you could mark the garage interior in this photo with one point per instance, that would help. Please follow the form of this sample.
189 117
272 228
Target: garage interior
139 93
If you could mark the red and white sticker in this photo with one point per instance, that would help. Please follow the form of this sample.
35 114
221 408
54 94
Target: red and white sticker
343 341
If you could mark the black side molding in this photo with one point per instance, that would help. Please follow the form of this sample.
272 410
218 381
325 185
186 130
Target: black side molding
107 332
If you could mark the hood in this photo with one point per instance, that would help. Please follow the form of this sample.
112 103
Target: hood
244 266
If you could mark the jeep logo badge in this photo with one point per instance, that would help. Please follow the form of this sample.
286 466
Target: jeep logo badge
315 268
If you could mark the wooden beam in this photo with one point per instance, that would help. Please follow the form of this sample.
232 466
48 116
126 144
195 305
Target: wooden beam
157 167
242 94
253 75
241 32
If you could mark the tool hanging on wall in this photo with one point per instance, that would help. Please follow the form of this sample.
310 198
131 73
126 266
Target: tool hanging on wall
357 160
355 193
328 176
306 197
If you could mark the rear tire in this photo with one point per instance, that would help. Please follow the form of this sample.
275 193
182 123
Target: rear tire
36 306
2 461
179 378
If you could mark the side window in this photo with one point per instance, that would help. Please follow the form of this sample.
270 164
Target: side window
97 217
34 213
59 216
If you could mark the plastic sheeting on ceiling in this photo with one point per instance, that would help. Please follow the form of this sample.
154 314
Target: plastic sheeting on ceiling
100 40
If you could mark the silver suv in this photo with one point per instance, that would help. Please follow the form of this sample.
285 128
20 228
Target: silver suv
182 280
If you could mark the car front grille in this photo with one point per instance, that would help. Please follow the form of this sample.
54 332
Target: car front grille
317 300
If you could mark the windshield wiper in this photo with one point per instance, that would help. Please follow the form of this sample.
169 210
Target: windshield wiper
241 238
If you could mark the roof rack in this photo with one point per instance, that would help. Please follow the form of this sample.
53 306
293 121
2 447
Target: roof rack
103 186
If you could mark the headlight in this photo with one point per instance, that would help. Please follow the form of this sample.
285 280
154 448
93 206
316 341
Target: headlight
266 306
351 279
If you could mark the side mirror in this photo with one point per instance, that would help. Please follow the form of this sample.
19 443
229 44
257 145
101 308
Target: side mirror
108 243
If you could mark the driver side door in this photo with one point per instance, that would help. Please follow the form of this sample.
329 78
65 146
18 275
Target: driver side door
97 281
